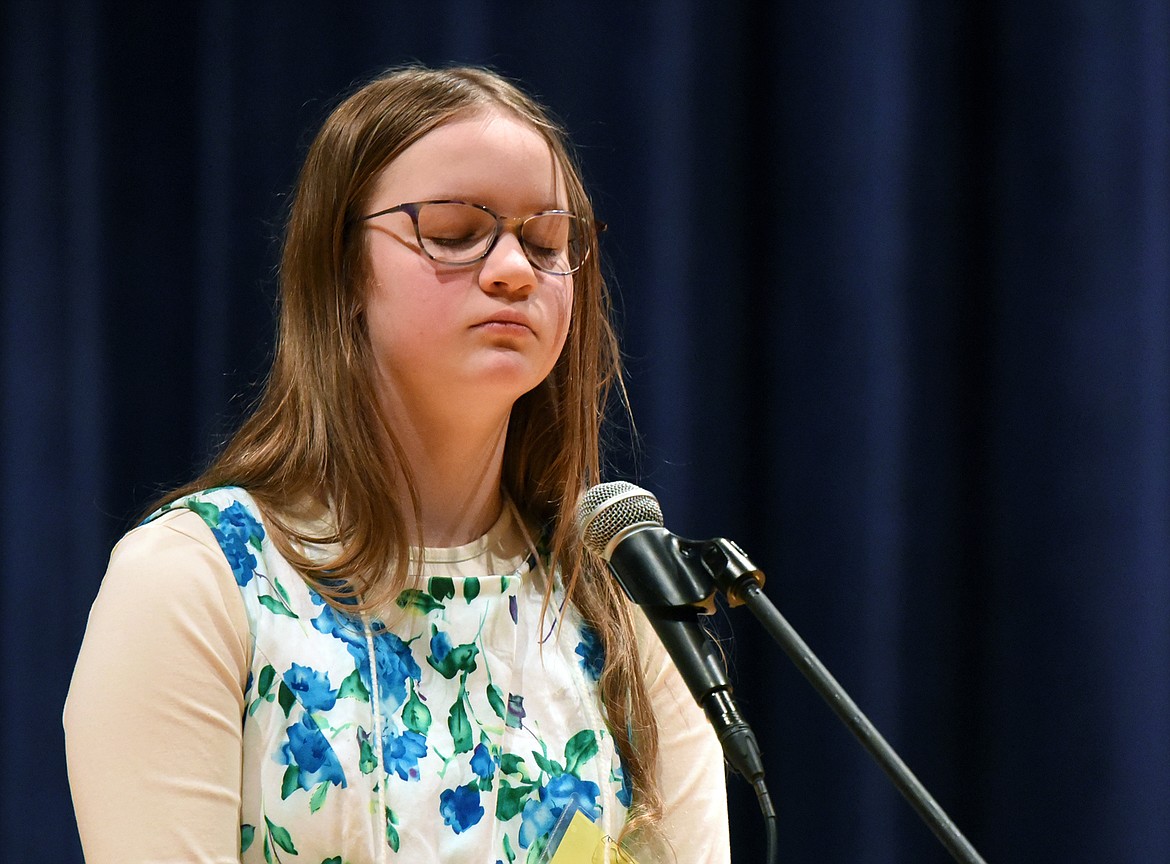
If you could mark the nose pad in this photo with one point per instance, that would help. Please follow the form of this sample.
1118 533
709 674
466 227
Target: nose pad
506 266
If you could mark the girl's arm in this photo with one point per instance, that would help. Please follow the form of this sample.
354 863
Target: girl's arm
691 773
153 716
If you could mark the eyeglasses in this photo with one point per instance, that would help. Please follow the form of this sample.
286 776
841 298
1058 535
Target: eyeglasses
455 232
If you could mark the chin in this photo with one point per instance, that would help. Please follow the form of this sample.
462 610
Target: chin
510 380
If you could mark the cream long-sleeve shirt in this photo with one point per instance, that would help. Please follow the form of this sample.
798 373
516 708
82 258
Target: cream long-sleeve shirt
162 769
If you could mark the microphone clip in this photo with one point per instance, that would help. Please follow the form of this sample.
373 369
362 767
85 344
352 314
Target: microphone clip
673 572
730 569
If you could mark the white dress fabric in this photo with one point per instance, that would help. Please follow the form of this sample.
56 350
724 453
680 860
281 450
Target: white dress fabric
457 726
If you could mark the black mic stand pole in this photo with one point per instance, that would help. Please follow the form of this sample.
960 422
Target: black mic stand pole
739 580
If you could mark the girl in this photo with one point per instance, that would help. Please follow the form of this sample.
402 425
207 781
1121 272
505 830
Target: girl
369 632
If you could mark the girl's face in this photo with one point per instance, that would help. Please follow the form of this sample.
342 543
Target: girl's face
450 340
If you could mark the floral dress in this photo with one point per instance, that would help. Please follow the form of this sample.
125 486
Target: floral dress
457 727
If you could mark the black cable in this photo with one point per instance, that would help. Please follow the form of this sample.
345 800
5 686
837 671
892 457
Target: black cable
771 827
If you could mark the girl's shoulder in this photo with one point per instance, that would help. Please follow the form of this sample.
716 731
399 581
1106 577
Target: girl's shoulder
219 507
234 520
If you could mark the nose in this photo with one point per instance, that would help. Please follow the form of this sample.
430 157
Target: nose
506 269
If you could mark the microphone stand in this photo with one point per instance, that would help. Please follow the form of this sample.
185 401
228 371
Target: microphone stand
740 581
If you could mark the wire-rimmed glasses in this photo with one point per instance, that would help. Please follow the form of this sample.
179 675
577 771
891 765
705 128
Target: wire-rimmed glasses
456 232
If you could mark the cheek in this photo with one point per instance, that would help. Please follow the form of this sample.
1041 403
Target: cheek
400 301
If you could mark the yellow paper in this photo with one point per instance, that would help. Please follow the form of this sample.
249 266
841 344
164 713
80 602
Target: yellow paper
583 843
579 843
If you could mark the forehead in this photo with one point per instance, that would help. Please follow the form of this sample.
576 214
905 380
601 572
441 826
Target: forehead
490 157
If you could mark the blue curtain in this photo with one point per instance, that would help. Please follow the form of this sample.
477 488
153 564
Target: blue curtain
894 284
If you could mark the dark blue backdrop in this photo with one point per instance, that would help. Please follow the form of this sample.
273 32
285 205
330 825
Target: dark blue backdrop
894 280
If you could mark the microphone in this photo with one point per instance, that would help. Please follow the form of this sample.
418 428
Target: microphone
663 574
672 579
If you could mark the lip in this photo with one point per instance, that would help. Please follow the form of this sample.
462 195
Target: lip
506 320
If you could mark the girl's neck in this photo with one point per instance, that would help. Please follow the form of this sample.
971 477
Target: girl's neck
456 468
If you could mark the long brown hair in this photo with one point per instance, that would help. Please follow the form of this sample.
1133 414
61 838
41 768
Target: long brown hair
317 434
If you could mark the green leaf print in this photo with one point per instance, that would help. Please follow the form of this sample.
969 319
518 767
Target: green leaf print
549 766
461 658
247 835
209 513
415 715
418 602
391 831
508 850
581 748
495 697
536 850
513 764
336 859
267 676
470 588
367 761
353 688
441 587
318 799
510 799
291 782
460 726
286 698
275 606
281 837
280 590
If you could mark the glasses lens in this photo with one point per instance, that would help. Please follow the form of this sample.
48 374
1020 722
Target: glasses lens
455 233
553 242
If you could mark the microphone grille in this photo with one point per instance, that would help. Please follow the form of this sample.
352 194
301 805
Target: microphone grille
609 508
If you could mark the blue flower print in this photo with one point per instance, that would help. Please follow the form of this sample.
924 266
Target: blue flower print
568 787
310 687
308 750
395 664
243 562
237 521
235 530
591 652
537 821
541 814
339 626
482 762
394 660
440 646
400 753
460 808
